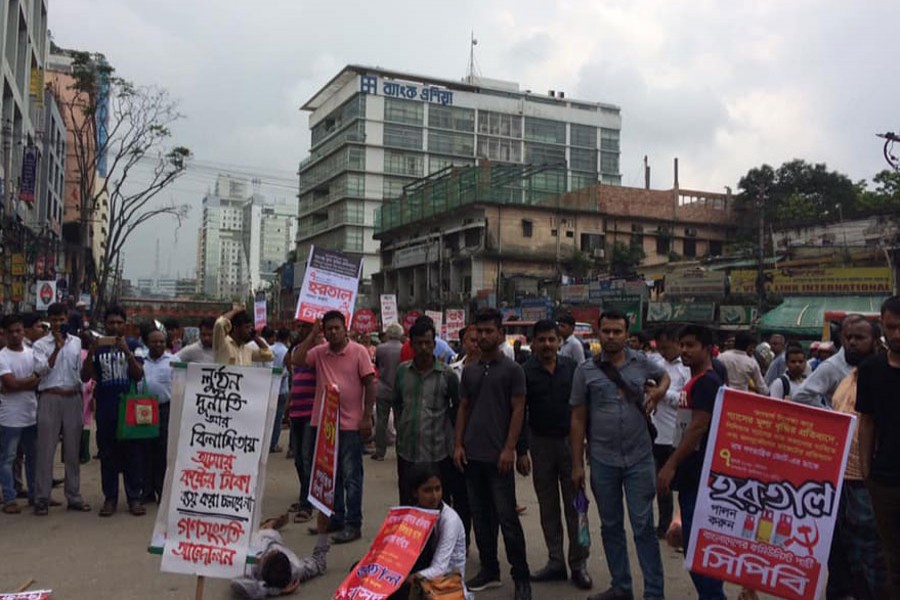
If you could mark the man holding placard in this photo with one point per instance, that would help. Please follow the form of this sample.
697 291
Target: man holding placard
345 364
232 335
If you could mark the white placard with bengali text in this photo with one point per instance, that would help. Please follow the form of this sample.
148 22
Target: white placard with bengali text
214 485
389 313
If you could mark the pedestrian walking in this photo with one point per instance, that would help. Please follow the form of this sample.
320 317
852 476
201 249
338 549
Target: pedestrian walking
158 381
743 370
793 377
571 346
280 351
387 359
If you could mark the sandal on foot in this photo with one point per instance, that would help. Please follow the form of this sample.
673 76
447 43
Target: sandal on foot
303 515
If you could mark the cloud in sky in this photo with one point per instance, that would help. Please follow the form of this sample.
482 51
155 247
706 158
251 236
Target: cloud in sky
722 86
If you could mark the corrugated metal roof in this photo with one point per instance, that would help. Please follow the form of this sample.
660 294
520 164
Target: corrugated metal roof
805 316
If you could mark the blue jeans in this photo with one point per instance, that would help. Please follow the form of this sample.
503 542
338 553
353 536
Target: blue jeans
9 441
639 483
279 417
707 587
348 488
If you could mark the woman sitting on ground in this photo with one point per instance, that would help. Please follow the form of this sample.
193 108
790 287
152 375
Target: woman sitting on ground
443 560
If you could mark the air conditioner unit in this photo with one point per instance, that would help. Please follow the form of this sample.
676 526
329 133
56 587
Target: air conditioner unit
598 253
690 231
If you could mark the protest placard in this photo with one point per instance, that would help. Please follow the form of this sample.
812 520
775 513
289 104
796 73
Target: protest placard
392 555
438 318
456 320
219 435
324 467
330 283
389 310
33 595
259 315
774 471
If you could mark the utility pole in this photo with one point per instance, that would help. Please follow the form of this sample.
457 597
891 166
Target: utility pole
761 196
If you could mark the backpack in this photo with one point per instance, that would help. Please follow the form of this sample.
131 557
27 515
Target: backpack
785 385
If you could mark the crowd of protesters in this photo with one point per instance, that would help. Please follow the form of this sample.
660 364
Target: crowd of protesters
463 422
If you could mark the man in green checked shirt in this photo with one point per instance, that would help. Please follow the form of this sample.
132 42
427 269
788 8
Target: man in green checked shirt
426 396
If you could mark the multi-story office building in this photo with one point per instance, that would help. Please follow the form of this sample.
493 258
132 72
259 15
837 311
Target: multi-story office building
270 227
243 238
375 131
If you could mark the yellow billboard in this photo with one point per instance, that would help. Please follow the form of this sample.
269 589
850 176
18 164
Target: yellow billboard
816 281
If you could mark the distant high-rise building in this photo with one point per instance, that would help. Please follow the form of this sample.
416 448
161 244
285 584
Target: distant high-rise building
243 238
375 131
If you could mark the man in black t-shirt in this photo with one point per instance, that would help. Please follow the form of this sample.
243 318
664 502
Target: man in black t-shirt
487 449
878 402
698 399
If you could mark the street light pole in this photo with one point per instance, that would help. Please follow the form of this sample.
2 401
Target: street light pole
761 250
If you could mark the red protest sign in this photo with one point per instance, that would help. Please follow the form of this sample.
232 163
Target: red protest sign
324 468
364 321
774 472
35 595
392 555
409 319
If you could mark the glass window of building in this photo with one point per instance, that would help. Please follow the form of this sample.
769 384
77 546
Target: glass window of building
451 143
356 185
544 130
500 149
539 154
583 180
583 160
402 136
494 123
403 111
437 163
393 187
584 136
403 163
609 139
609 162
451 117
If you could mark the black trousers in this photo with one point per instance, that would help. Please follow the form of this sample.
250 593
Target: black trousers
492 499
664 502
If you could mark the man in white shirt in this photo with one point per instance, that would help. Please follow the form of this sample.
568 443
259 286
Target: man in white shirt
18 411
280 350
783 387
57 359
664 417
571 345
743 370
200 351
158 379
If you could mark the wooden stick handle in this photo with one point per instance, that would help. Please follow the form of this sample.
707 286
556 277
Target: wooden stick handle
24 586
198 594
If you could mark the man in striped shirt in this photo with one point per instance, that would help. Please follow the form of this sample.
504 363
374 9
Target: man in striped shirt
426 395
302 397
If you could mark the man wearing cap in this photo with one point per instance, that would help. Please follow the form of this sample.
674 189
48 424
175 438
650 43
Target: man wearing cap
571 345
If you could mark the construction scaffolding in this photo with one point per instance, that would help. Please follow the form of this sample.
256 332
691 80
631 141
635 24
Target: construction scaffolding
487 183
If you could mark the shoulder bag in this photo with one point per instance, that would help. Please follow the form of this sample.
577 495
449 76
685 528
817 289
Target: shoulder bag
138 415
631 395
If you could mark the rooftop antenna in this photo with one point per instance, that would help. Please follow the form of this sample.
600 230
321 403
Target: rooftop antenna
472 71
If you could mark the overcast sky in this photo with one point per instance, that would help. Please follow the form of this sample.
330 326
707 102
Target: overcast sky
724 86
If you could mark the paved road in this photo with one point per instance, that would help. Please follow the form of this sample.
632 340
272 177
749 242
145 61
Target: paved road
83 557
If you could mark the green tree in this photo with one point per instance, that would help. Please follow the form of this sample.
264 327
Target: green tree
626 258
121 144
